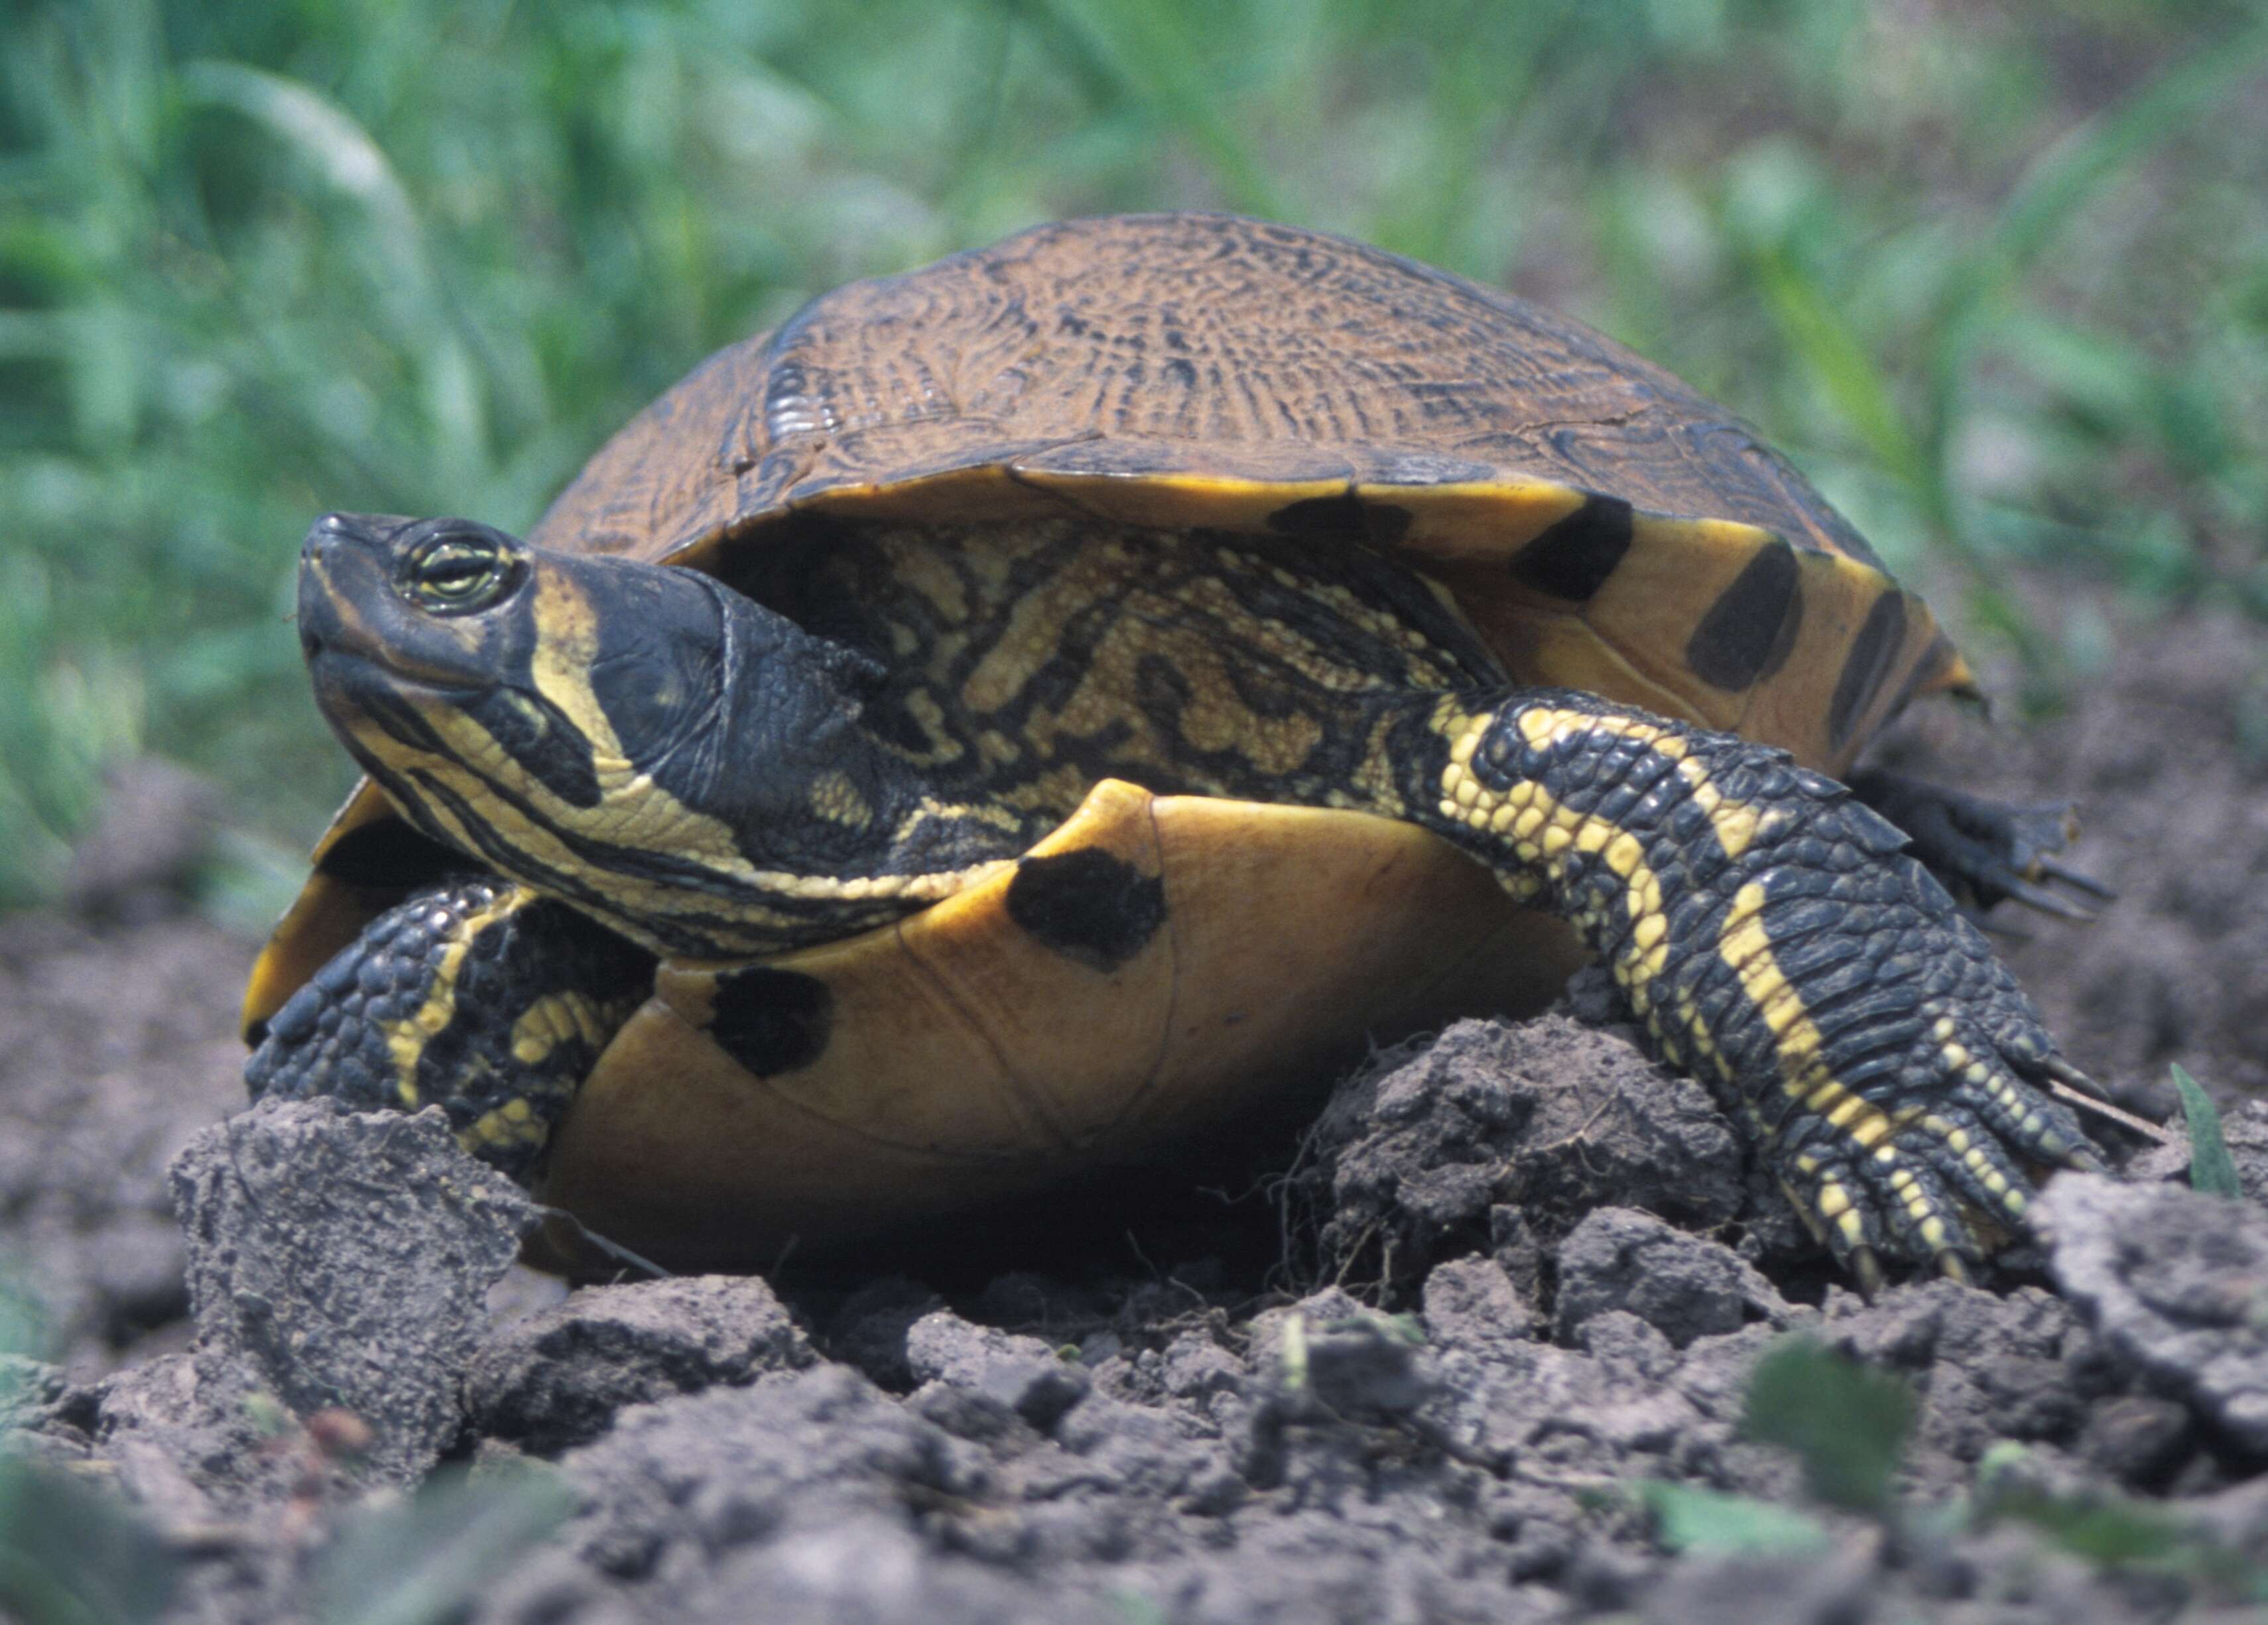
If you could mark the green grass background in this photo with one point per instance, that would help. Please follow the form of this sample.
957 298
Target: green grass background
1995 274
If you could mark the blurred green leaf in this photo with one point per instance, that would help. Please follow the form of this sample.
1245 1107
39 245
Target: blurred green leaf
426 1560
2062 181
334 146
2211 1170
1133 1608
2108 1528
1846 1424
2117 1531
1821 335
1690 1518
1151 50
70 1554
23 1328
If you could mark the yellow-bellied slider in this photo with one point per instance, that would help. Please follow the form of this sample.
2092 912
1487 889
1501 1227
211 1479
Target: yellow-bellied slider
1099 541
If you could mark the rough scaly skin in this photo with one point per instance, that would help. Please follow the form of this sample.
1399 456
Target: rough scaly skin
477 995
1774 939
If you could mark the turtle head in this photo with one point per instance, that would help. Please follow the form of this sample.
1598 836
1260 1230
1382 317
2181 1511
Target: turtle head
633 738
443 647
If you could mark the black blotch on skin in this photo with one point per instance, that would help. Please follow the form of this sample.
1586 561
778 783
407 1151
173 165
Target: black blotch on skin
1871 654
1750 629
538 736
1574 558
772 1021
387 855
1343 517
1088 906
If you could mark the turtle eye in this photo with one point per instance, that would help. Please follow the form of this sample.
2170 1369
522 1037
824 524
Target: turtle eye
458 572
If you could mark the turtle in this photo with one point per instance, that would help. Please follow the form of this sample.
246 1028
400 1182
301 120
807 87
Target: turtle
1018 714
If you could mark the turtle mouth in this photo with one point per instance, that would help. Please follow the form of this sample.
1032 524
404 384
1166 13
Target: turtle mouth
329 629
351 683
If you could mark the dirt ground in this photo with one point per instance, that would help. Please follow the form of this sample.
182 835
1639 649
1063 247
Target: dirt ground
1125 1444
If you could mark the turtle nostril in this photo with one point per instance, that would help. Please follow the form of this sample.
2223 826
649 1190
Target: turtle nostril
331 529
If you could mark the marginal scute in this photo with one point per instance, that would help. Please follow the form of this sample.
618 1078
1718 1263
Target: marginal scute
1574 558
1346 517
1873 653
1939 667
771 1021
1087 905
1748 632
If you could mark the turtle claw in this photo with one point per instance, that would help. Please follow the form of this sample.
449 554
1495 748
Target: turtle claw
2078 879
1984 851
2016 888
2071 1077
2084 1093
1947 1168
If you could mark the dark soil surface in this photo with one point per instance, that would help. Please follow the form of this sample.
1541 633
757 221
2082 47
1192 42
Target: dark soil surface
1512 1277
114 1049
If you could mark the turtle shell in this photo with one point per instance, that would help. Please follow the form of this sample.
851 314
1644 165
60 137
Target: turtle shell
1603 528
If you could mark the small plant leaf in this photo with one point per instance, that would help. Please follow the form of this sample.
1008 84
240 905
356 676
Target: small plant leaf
1134 1608
427 1559
2117 1530
24 1327
1847 1423
70 1554
2104 1528
2211 1171
1293 1362
1690 1518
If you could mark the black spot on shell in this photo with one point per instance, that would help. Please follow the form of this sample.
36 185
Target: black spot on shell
1933 664
1750 629
1871 652
1088 906
387 855
1343 517
1574 558
772 1021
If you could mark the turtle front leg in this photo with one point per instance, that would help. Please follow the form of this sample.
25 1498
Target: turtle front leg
1775 940
476 995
